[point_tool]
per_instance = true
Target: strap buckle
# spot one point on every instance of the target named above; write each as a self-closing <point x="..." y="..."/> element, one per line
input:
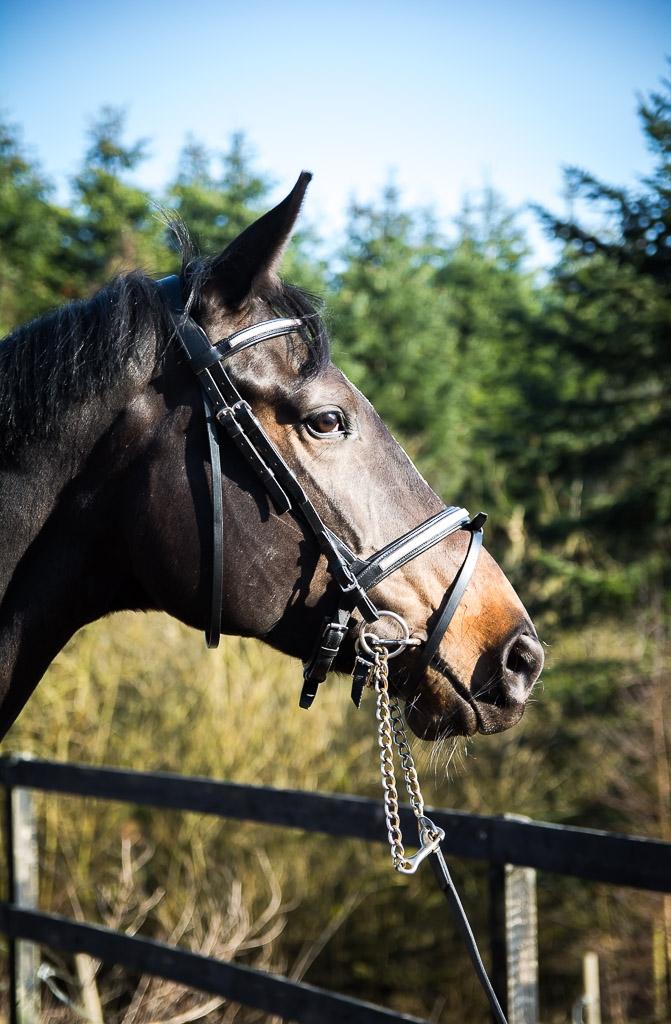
<point x="319" y="665"/>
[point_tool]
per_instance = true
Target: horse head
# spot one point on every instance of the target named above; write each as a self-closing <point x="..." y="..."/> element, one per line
<point x="109" y="495"/>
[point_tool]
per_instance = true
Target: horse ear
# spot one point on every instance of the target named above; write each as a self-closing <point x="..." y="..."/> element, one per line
<point x="250" y="260"/>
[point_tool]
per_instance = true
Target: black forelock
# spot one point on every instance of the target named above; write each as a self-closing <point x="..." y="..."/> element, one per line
<point x="289" y="300"/>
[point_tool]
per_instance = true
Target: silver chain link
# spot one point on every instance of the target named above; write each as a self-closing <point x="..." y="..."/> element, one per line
<point x="391" y="732"/>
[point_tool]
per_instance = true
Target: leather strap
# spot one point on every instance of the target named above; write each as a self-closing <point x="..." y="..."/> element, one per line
<point x="317" y="668"/>
<point x="404" y="549"/>
<point x="448" y="888"/>
<point x="370" y="572"/>
<point x="453" y="595"/>
<point x="214" y="629"/>
<point x="262" y="331"/>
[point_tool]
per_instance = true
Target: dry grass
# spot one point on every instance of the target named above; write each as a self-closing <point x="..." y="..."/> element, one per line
<point x="142" y="692"/>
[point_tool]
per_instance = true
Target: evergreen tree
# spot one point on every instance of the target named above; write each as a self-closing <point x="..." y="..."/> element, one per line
<point x="607" y="436"/>
<point x="390" y="325"/>
<point x="31" y="273"/>
<point x="115" y="224"/>
<point x="491" y="308"/>
<point x="436" y="334"/>
<point x="218" y="206"/>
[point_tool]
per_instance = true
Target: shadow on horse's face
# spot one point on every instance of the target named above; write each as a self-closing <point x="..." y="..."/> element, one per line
<point x="277" y="583"/>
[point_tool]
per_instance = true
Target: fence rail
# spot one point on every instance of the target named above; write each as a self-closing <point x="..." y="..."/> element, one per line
<point x="273" y="994"/>
<point x="583" y="853"/>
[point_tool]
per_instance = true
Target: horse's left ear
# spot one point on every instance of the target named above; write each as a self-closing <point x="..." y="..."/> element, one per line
<point x="250" y="260"/>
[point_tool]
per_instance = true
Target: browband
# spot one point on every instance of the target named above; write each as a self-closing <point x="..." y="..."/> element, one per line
<point x="249" y="336"/>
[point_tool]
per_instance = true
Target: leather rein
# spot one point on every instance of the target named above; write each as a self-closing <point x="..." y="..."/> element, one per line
<point x="355" y="577"/>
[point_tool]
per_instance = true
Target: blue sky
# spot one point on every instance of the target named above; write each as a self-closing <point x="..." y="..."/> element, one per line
<point x="445" y="96"/>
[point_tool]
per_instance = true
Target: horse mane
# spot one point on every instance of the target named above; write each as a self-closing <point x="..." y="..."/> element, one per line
<point x="82" y="349"/>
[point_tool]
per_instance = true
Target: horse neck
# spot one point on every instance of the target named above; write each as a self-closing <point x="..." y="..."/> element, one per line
<point x="55" y="571"/>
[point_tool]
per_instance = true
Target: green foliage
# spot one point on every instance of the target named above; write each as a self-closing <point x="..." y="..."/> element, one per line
<point x="115" y="226"/>
<point x="389" y="322"/>
<point x="31" y="278"/>
<point x="216" y="207"/>
<point x="608" y="314"/>
<point x="545" y="402"/>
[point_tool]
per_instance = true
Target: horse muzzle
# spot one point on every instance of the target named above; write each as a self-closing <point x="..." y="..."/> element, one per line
<point x="447" y="706"/>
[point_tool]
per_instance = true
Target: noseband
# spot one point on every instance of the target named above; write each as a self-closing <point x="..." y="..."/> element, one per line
<point x="354" y="576"/>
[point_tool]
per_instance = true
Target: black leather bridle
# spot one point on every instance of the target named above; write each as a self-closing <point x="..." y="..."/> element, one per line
<point x="354" y="576"/>
<point x="225" y="407"/>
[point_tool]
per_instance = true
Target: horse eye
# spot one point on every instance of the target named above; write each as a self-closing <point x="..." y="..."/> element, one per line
<point x="328" y="421"/>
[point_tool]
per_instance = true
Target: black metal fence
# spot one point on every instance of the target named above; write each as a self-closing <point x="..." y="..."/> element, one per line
<point x="582" y="853"/>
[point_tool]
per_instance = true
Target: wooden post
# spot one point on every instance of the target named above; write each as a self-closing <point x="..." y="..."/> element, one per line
<point x="9" y="861"/>
<point x="513" y="922"/>
<point x="592" y="998"/>
<point x="22" y="867"/>
<point x="521" y="945"/>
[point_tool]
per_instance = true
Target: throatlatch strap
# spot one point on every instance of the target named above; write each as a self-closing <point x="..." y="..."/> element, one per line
<point x="214" y="629"/>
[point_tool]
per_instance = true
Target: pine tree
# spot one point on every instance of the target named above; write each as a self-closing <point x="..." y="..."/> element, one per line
<point x="607" y="439"/>
<point x="31" y="273"/>
<point x="218" y="206"/>
<point x="492" y="303"/>
<point x="390" y="325"/>
<point x="115" y="225"/>
<point x="437" y="334"/>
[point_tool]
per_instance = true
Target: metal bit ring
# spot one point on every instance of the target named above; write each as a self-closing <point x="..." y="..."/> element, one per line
<point x="366" y="638"/>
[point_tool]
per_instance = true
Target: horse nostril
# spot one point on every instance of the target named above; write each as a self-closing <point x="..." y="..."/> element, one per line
<point x="522" y="664"/>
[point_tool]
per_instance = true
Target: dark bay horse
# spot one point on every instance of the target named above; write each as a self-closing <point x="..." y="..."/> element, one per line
<point x="106" y="492"/>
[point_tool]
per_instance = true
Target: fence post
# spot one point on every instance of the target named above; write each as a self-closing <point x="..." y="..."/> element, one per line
<point x="592" y="997"/>
<point x="514" y="939"/>
<point x="522" y="945"/>
<point x="22" y="877"/>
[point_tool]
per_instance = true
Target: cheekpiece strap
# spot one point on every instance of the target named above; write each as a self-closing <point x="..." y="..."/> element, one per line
<point x="234" y="415"/>
<point x="197" y="346"/>
<point x="214" y="629"/>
